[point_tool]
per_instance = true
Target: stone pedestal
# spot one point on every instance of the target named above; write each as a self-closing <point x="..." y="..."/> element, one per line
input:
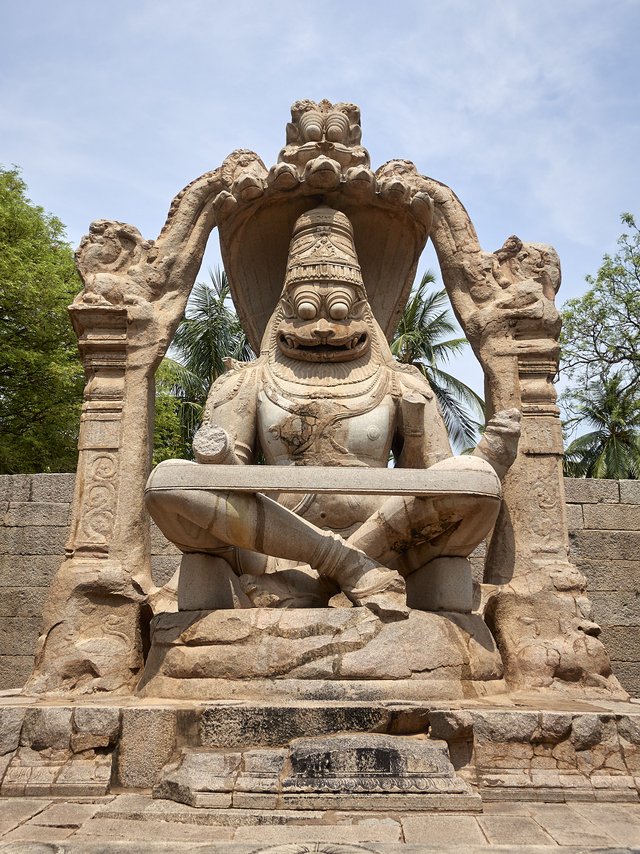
<point x="346" y="771"/>
<point x="320" y="653"/>
<point x="385" y="754"/>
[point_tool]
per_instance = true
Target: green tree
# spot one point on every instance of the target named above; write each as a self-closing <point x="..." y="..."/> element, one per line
<point x="420" y="340"/>
<point x="41" y="378"/>
<point x="601" y="329"/>
<point x="209" y="334"/>
<point x="601" y="361"/>
<point x="612" y="448"/>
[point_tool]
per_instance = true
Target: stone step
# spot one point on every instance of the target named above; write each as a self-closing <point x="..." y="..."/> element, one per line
<point x="364" y="771"/>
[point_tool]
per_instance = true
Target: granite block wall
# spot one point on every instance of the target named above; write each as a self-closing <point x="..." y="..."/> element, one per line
<point x="604" y="529"/>
<point x="34" y="525"/>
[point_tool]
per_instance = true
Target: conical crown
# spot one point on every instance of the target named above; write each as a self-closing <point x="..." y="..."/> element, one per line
<point x="322" y="250"/>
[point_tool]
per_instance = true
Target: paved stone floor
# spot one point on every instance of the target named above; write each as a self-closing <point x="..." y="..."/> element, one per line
<point x="136" y="823"/>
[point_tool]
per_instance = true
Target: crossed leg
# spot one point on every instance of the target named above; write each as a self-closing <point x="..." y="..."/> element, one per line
<point x="208" y="521"/>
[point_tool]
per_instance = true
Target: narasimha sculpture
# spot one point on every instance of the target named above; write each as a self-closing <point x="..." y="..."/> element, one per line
<point x="326" y="391"/>
<point x="306" y="571"/>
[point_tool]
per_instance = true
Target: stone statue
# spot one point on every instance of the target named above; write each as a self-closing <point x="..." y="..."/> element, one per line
<point x="321" y="252"/>
<point x="326" y="391"/>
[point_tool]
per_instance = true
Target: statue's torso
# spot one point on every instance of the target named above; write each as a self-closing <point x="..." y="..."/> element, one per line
<point x="323" y="430"/>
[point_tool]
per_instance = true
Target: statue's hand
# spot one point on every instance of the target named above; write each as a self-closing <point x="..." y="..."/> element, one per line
<point x="499" y="443"/>
<point x="212" y="444"/>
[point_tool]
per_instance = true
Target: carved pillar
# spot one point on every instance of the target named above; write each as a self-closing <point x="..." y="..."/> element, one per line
<point x="531" y="530"/>
<point x="134" y="297"/>
<point x="102" y="341"/>
<point x="92" y="633"/>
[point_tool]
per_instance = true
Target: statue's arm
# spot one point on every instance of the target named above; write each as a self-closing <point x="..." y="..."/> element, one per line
<point x="424" y="436"/>
<point x="228" y="430"/>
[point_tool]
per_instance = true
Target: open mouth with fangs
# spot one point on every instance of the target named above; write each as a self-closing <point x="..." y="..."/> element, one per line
<point x="326" y="350"/>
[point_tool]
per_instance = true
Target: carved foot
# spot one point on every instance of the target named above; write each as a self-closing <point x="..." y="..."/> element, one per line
<point x="380" y="589"/>
<point x="288" y="588"/>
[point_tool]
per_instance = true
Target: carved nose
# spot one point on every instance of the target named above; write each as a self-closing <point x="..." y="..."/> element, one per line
<point x="323" y="330"/>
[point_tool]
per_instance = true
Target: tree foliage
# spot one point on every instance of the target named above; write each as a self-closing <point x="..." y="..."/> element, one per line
<point x="420" y="341"/>
<point x="41" y="378"/>
<point x="209" y="334"/>
<point x="601" y="329"/>
<point x="601" y="359"/>
<point x="612" y="448"/>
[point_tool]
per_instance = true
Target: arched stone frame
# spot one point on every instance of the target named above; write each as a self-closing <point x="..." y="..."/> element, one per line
<point x="134" y="298"/>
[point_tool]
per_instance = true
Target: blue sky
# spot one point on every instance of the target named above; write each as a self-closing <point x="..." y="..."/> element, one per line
<point x="528" y="110"/>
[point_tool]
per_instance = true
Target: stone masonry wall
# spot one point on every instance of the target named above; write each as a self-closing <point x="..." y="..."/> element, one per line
<point x="604" y="531"/>
<point x="604" y="527"/>
<point x="34" y="525"/>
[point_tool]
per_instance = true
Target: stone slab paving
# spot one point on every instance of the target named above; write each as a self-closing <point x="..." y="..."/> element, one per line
<point x="137" y="823"/>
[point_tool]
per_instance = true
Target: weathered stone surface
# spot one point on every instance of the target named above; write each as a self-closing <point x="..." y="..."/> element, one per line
<point x="513" y="830"/>
<point x="55" y="488"/>
<point x="10" y="727"/>
<point x="321" y="644"/>
<point x="66" y="814"/>
<point x="611" y="575"/>
<point x="15" y="669"/>
<point x="553" y="726"/>
<point x="604" y="545"/>
<point x="623" y="642"/>
<point x="243" y="726"/>
<point x="504" y="726"/>
<point x="31" y="513"/>
<point x="630" y="491"/>
<point x="575" y="517"/>
<point x="94" y="727"/>
<point x="163" y="567"/>
<point x="262" y="770"/>
<point x="628" y="672"/>
<point x="371" y="763"/>
<point x="441" y="831"/>
<point x="146" y="744"/>
<point x="450" y="724"/>
<point x="33" y="541"/>
<point x="27" y="570"/>
<point x="617" y="608"/>
<point x="616" y="517"/>
<point x="196" y="773"/>
<point x="15" y="487"/>
<point x="591" y="491"/>
<point x="47" y="728"/>
<point x="88" y="777"/>
<point x="18" y="635"/>
<point x="586" y="731"/>
<point x="22" y="601"/>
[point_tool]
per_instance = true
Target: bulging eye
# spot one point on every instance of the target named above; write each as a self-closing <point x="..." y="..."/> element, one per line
<point x="339" y="310"/>
<point x="337" y="127"/>
<point x="307" y="310"/>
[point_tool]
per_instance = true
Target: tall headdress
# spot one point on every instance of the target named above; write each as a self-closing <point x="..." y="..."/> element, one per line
<point x="322" y="250"/>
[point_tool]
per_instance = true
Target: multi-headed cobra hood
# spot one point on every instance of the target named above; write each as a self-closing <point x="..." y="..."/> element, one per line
<point x="323" y="163"/>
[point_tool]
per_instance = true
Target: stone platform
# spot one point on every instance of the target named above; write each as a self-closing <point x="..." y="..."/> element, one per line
<point x="505" y="748"/>
<point x="316" y="654"/>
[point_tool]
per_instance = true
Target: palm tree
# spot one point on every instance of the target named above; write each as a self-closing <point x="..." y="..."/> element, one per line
<point x="419" y="340"/>
<point x="612" y="449"/>
<point x="209" y="334"/>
